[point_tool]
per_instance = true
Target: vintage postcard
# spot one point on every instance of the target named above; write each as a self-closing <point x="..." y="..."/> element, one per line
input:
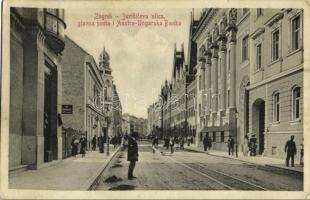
<point x="154" y="100"/>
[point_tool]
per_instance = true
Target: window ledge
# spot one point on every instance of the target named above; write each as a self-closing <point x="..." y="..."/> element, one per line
<point x="275" y="61"/>
<point x="295" y="122"/>
<point x="258" y="70"/>
<point x="275" y="123"/>
<point x="245" y="63"/>
<point x="294" y="52"/>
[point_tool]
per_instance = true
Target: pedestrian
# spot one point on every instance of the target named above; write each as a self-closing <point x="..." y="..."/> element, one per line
<point x="154" y="143"/>
<point x="253" y="145"/>
<point x="171" y="144"/>
<point x="231" y="143"/>
<point x="74" y="146"/>
<point x="290" y="149"/>
<point x="166" y="143"/>
<point x="209" y="141"/>
<point x="246" y="145"/>
<point x="94" y="142"/>
<point x="132" y="154"/>
<point x="188" y="140"/>
<point x="205" y="143"/>
<point x="83" y="142"/>
<point x="301" y="154"/>
<point x="101" y="144"/>
<point x="182" y="143"/>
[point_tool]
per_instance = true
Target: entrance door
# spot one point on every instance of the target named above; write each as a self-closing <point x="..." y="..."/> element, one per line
<point x="258" y="123"/>
<point x="50" y="113"/>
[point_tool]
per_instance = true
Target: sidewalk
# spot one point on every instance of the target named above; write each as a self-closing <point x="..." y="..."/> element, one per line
<point x="258" y="160"/>
<point x="69" y="174"/>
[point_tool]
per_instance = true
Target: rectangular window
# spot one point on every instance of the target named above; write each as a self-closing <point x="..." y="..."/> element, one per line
<point x="276" y="107"/>
<point x="199" y="109"/>
<point x="228" y="61"/>
<point x="296" y="33"/>
<point x="214" y="136"/>
<point x="222" y="136"/>
<point x="245" y="49"/>
<point x="275" y="45"/>
<point x="259" y="12"/>
<point x="258" y="56"/>
<point x="228" y="98"/>
<point x="296" y="103"/>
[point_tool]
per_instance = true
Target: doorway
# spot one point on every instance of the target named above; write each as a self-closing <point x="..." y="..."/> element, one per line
<point x="258" y="123"/>
<point x="50" y="113"/>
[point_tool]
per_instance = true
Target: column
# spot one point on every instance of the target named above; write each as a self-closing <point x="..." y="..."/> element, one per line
<point x="222" y="56"/>
<point x="202" y="61"/>
<point x="214" y="79"/>
<point x="208" y="81"/>
<point x="33" y="101"/>
<point x="232" y="47"/>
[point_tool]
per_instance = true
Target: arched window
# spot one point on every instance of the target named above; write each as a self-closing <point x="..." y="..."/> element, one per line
<point x="276" y="107"/>
<point x="296" y="103"/>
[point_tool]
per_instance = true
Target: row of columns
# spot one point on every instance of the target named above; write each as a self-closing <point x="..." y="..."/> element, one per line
<point x="211" y="77"/>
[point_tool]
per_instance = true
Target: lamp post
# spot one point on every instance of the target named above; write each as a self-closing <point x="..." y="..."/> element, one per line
<point x="236" y="123"/>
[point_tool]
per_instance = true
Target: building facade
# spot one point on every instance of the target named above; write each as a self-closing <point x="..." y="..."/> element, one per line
<point x="117" y="114"/>
<point x="250" y="74"/>
<point x="36" y="42"/>
<point x="83" y="93"/>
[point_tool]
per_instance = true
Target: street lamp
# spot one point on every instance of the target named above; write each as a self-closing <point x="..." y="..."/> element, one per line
<point x="236" y="123"/>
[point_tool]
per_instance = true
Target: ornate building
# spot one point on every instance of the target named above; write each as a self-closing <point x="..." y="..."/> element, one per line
<point x="249" y="76"/>
<point x="36" y="42"/>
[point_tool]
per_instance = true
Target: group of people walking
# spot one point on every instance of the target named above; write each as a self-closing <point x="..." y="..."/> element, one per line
<point x="75" y="143"/>
<point x="178" y="141"/>
<point x="95" y="142"/>
<point x="100" y="141"/>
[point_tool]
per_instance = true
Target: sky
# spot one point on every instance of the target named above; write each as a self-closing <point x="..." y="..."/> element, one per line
<point x="140" y="57"/>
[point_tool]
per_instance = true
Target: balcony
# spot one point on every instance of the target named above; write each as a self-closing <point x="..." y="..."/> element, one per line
<point x="54" y="28"/>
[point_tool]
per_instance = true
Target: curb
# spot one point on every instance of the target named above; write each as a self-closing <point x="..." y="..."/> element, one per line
<point x="93" y="181"/>
<point x="233" y="158"/>
<point x="285" y="169"/>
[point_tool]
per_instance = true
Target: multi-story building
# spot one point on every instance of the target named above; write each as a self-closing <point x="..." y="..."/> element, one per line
<point x="133" y="124"/>
<point x="154" y="119"/>
<point x="179" y="98"/>
<point x="36" y="42"/>
<point x="82" y="95"/>
<point x="117" y="113"/>
<point x="250" y="77"/>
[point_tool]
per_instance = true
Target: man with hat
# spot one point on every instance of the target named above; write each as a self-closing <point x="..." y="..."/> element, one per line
<point x="290" y="149"/>
<point x="132" y="154"/>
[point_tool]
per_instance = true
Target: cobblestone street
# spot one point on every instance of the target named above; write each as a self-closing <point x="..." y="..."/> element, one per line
<point x="185" y="170"/>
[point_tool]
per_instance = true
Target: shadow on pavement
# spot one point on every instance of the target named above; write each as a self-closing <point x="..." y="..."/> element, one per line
<point x="123" y="187"/>
<point x="117" y="165"/>
<point x="112" y="179"/>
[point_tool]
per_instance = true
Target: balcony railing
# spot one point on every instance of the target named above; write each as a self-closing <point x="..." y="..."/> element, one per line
<point x="54" y="29"/>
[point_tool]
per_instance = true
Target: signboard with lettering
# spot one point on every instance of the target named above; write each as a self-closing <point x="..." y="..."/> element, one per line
<point x="67" y="109"/>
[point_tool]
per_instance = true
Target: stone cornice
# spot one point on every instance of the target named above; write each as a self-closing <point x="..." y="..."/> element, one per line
<point x="205" y="21"/>
<point x="257" y="32"/>
<point x="274" y="19"/>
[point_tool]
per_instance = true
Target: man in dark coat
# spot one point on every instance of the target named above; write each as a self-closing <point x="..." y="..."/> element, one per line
<point x="83" y="142"/>
<point x="94" y="143"/>
<point x="290" y="149"/>
<point x="132" y="155"/>
<point x="205" y="143"/>
<point x="231" y="144"/>
<point x="171" y="144"/>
